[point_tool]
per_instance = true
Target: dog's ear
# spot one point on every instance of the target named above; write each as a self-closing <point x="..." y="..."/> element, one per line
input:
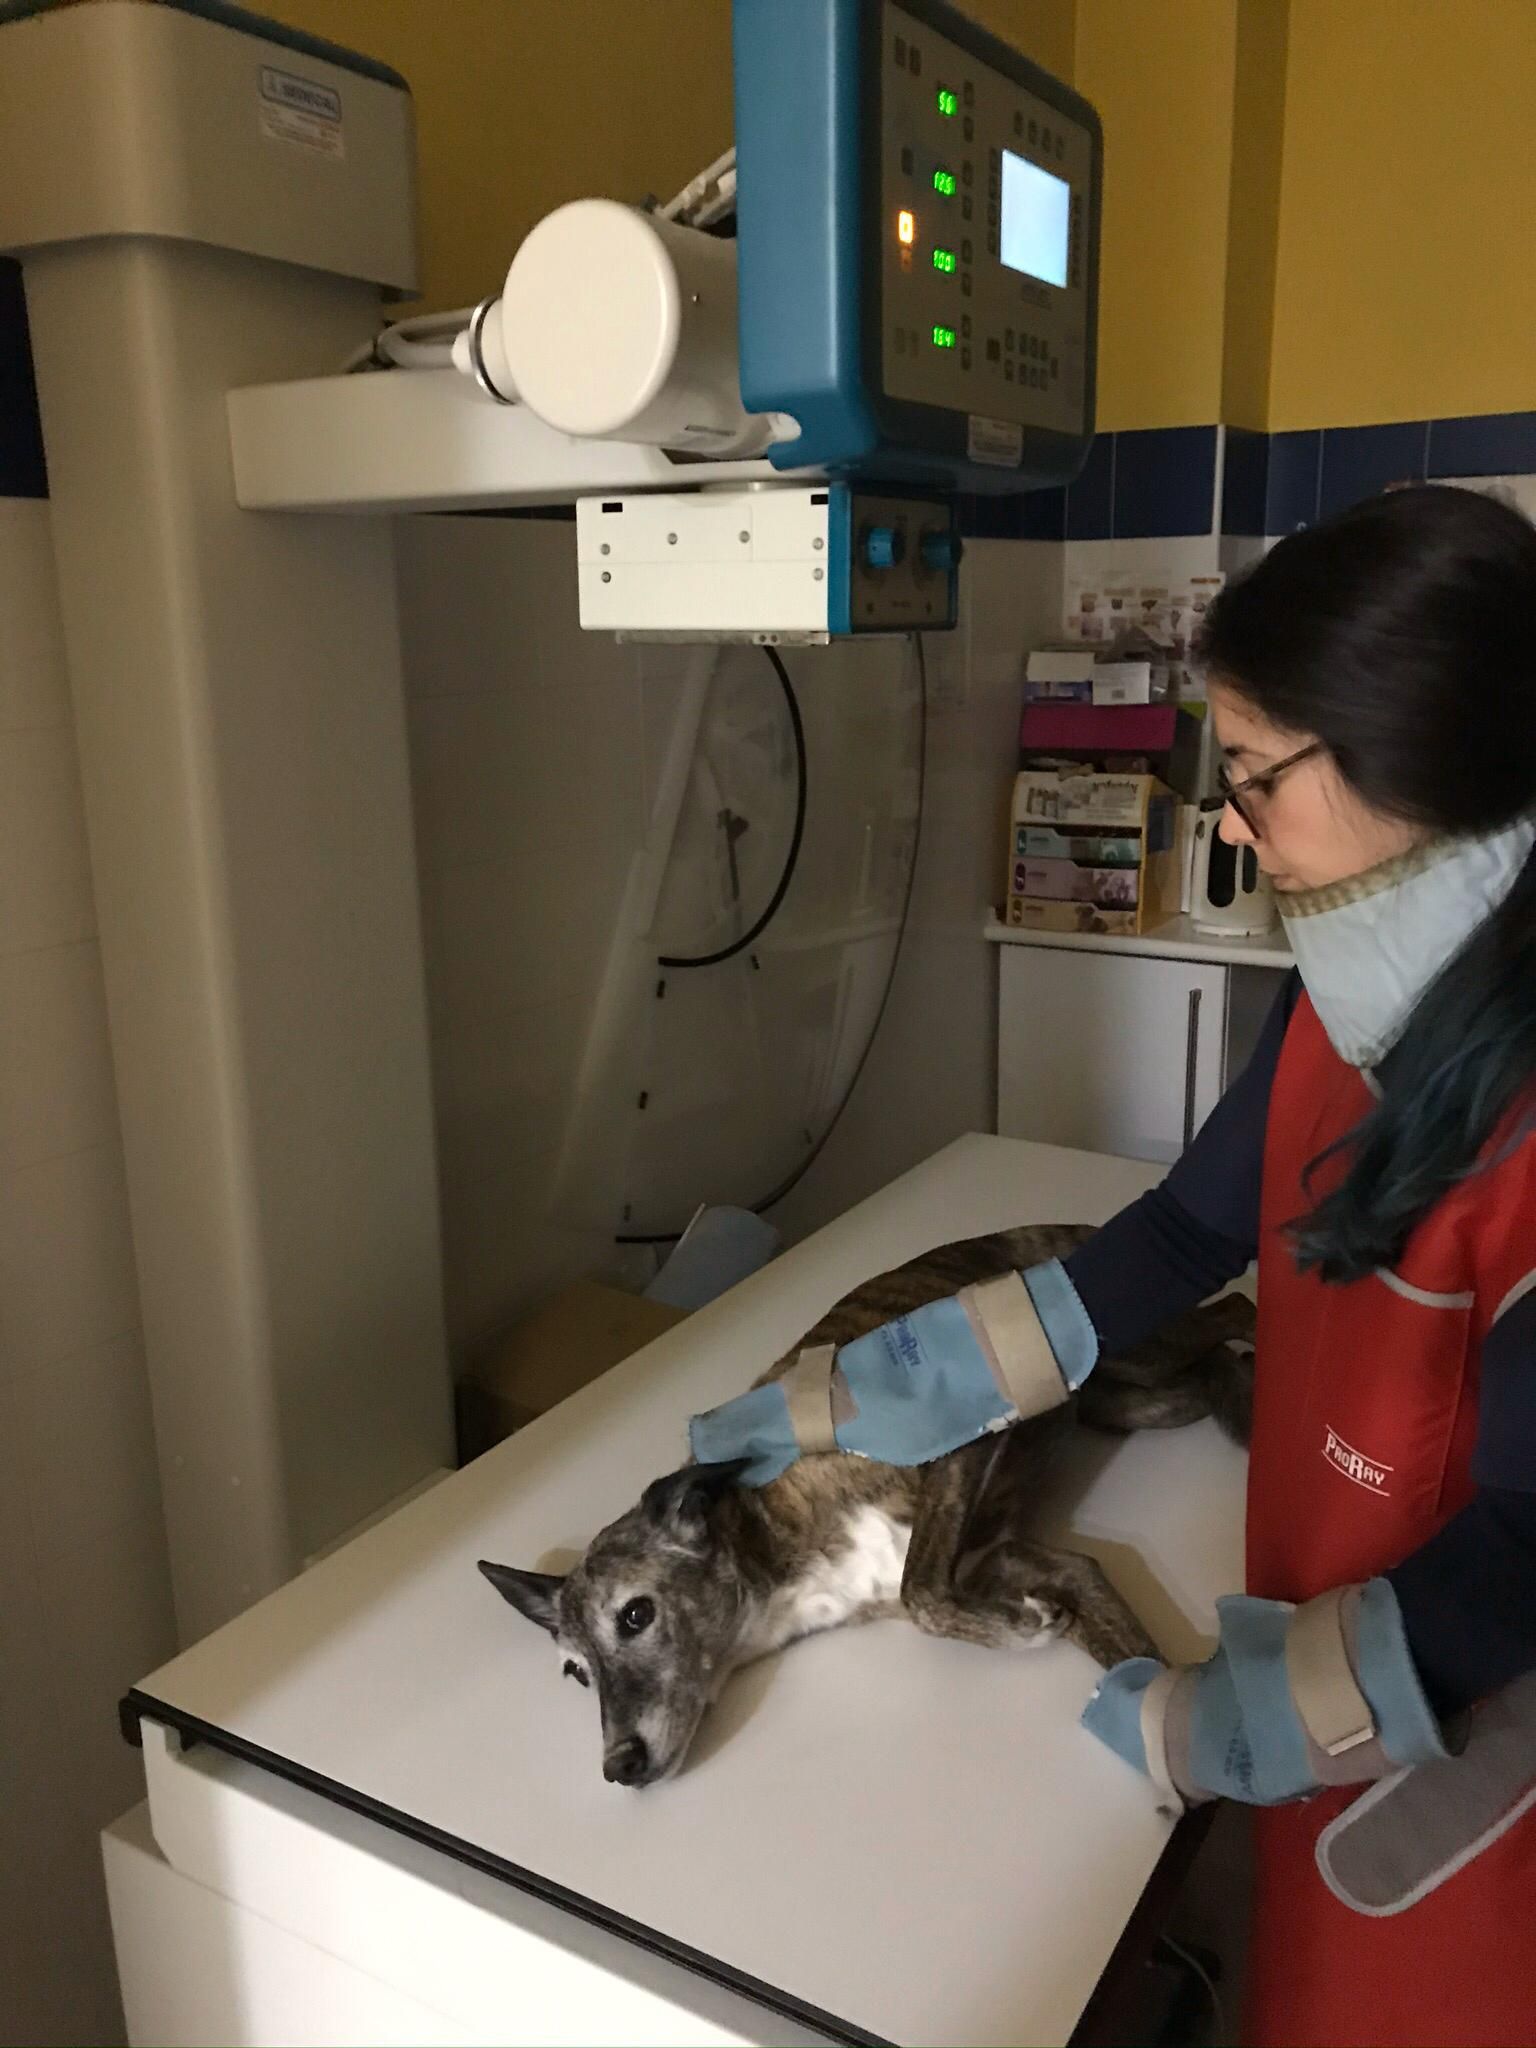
<point x="536" y="1594"/>
<point x="684" y="1498"/>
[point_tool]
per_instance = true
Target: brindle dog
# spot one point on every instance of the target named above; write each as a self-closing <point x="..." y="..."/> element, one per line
<point x="704" y="1575"/>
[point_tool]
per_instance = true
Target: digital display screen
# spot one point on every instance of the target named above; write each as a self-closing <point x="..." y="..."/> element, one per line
<point x="1037" y="208"/>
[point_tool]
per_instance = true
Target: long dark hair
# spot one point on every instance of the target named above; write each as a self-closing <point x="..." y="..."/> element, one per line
<point x="1402" y="634"/>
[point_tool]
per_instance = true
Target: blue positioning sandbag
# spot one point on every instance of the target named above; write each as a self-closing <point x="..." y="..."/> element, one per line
<point x="719" y="1247"/>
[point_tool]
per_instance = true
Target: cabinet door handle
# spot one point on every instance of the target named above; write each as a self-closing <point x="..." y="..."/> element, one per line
<point x="1191" y="1060"/>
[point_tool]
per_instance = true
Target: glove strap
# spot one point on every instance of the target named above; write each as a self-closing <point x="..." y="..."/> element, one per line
<point x="1154" y="1737"/>
<point x="1333" y="1709"/>
<point x="807" y="1391"/>
<point x="1007" y="1327"/>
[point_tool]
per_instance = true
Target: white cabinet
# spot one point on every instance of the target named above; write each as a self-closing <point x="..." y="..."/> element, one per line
<point x="1120" y="1052"/>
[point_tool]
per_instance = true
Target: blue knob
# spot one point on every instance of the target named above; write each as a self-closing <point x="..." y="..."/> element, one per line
<point x="941" y="550"/>
<point x="882" y="547"/>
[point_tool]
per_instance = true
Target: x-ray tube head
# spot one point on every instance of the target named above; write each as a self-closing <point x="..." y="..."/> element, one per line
<point x="618" y="325"/>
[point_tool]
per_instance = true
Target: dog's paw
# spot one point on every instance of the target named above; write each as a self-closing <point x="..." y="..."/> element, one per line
<point x="1039" y="1622"/>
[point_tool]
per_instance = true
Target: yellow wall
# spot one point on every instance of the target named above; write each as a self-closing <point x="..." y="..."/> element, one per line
<point x="1317" y="212"/>
<point x="1253" y="218"/>
<point x="1042" y="29"/>
<point x="1406" y="285"/>
<point x="523" y="104"/>
<point x="1160" y="73"/>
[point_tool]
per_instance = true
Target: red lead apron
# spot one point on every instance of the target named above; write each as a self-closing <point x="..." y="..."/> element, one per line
<point x="1364" y="1416"/>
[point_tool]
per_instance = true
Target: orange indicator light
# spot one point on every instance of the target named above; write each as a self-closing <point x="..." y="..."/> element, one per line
<point x="906" y="228"/>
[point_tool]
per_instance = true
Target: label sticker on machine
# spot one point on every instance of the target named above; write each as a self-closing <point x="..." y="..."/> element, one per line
<point x="1000" y="442"/>
<point x="299" y="111"/>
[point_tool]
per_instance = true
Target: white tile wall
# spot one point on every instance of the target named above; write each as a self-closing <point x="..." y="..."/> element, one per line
<point x="932" y="1073"/>
<point x="84" y="1594"/>
<point x="528" y="751"/>
<point x="537" y="752"/>
<point x="1239" y="551"/>
<point x="1153" y="561"/>
<point x="1519" y="491"/>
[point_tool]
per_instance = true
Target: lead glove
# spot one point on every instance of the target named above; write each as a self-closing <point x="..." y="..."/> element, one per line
<point x="918" y="1387"/>
<point x="1294" y="1699"/>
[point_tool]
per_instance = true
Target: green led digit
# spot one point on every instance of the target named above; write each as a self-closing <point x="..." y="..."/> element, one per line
<point x="948" y="104"/>
<point x="944" y="181"/>
<point x="944" y="259"/>
<point x="943" y="337"/>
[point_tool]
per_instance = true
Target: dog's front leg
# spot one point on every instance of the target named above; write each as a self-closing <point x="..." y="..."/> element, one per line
<point x="995" y="1616"/>
<point x="1094" y="1615"/>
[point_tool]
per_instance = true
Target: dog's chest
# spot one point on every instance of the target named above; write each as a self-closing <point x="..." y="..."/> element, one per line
<point x="838" y="1585"/>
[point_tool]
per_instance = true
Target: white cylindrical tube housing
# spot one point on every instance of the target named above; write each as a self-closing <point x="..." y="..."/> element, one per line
<point x="618" y="325"/>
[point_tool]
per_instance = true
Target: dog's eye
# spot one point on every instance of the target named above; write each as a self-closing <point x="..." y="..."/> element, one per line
<point x="636" y="1615"/>
<point x="574" y="1670"/>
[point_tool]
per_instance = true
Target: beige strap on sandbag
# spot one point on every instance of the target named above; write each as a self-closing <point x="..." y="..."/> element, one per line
<point x="1007" y="1327"/>
<point x="1334" y="1711"/>
<point x="807" y="1390"/>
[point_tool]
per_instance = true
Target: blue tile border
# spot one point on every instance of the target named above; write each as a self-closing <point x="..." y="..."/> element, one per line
<point x="1359" y="461"/>
<point x="1043" y="515"/>
<point x="1294" y="480"/>
<point x="1091" y="494"/>
<point x="1244" y="479"/>
<point x="1038" y="515"/>
<point x="1165" y="483"/>
<point x="1271" y="481"/>
<point x="1134" y="485"/>
<point x="23" y="472"/>
<point x="1485" y="444"/>
<point x="1143" y="484"/>
<point x="1159" y="483"/>
<point x="1275" y="483"/>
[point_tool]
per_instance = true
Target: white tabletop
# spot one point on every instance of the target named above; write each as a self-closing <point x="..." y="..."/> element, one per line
<point x="913" y="1837"/>
<point x="1176" y="938"/>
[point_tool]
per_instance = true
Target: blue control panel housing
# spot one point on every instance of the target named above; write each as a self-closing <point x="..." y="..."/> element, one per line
<point x="893" y="560"/>
<point x="918" y="224"/>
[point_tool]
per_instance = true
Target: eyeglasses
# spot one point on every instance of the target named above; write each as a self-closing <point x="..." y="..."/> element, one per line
<point x="1241" y="795"/>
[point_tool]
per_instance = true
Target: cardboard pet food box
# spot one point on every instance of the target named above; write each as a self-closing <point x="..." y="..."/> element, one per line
<point x="1055" y="675"/>
<point x="1100" y="850"/>
<point x="1060" y="675"/>
<point x="1059" y="879"/>
<point x="1071" y="881"/>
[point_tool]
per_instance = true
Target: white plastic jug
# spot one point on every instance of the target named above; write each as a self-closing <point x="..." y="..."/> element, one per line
<point x="1229" y="892"/>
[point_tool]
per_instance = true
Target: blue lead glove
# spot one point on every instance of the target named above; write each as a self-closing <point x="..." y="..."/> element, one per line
<point x="1295" y="1698"/>
<point x="919" y="1387"/>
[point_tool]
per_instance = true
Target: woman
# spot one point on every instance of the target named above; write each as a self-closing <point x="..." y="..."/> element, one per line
<point x="1373" y="686"/>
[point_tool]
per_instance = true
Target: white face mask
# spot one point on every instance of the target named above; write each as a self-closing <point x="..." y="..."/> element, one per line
<point x="1369" y="947"/>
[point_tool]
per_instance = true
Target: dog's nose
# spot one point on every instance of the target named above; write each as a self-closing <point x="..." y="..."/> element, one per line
<point x="627" y="1762"/>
